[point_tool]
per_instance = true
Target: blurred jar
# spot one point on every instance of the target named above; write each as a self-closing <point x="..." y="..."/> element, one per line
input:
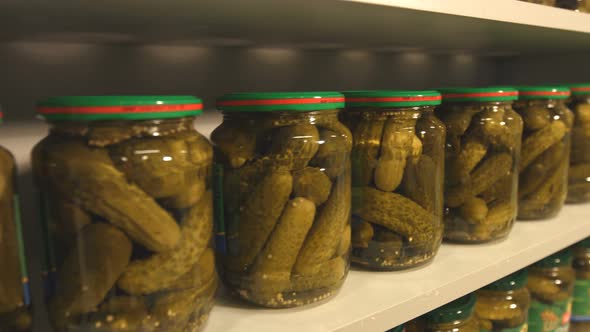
<point x="542" y="2"/>
<point x="125" y="186"/>
<point x="503" y="305"/>
<point x="482" y="150"/>
<point x="284" y="193"/>
<point x="456" y="316"/>
<point x="577" y="5"/>
<point x="579" y="172"/>
<point x="581" y="305"/>
<point x="397" y="177"/>
<point x="551" y="283"/>
<point x="546" y="142"/>
<point x="15" y="311"/>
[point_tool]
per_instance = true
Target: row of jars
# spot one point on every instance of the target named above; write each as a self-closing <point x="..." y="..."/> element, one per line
<point x="577" y="5"/>
<point x="292" y="188"/>
<point x="552" y="295"/>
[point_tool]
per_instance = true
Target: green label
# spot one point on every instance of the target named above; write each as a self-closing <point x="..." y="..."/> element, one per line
<point x="521" y="328"/>
<point x="581" y="306"/>
<point x="553" y="317"/>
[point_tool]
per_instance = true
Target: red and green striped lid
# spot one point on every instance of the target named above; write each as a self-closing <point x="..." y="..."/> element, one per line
<point x="543" y="92"/>
<point x="1" y="117"/>
<point x="391" y="98"/>
<point x="280" y="101"/>
<point x="93" y="108"/>
<point x="489" y="94"/>
<point x="580" y="88"/>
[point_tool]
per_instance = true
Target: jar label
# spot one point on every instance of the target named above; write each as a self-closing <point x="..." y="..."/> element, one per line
<point x="522" y="328"/>
<point x="581" y="306"/>
<point x="219" y="212"/>
<point x="554" y="317"/>
<point x="21" y="251"/>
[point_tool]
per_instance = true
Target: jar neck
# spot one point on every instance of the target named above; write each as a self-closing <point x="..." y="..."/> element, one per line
<point x="386" y="112"/>
<point x="139" y="128"/>
<point x="547" y="103"/>
<point x="581" y="99"/>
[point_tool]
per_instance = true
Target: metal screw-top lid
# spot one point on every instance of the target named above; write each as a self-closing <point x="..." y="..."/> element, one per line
<point x="93" y="108"/>
<point x="489" y="94"/>
<point x="391" y="98"/>
<point x="543" y="92"/>
<point x="460" y="309"/>
<point x="514" y="281"/>
<point x="280" y="101"/>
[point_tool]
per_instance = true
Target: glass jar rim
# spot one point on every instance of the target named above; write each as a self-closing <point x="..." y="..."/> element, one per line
<point x="97" y="108"/>
<point x="543" y="92"/>
<point x="459" y="309"/>
<point x="513" y="281"/>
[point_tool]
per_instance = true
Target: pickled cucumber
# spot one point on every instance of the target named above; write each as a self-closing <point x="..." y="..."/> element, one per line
<point x="313" y="184"/>
<point x="90" y="178"/>
<point x="161" y="270"/>
<point x="333" y="154"/>
<point x="301" y="141"/>
<point x="326" y="232"/>
<point x="90" y="271"/>
<point x="539" y="141"/>
<point x="366" y="146"/>
<point x="236" y="141"/>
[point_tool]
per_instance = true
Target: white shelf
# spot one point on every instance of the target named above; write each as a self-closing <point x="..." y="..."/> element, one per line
<point x="496" y="27"/>
<point x="377" y="301"/>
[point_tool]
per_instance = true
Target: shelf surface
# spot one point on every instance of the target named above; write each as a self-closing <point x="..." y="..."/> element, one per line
<point x="499" y="27"/>
<point x="377" y="301"/>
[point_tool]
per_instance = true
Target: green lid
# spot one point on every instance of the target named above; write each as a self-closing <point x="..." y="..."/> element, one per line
<point x="386" y="98"/>
<point x="280" y="101"/>
<point x="560" y="258"/>
<point x="516" y="280"/>
<point x="91" y="108"/>
<point x="459" y="309"/>
<point x="396" y="329"/>
<point x="580" y="88"/>
<point x="543" y="92"/>
<point x="478" y="94"/>
<point x="584" y="243"/>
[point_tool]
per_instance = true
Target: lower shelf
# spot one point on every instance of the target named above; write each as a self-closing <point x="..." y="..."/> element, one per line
<point x="377" y="301"/>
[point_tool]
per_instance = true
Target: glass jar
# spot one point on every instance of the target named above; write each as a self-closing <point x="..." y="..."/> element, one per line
<point x="581" y="306"/>
<point x="482" y="152"/>
<point x="15" y="314"/>
<point x="397" y="329"/>
<point x="577" y="5"/>
<point x="542" y="2"/>
<point x="579" y="172"/>
<point x="125" y="185"/>
<point x="456" y="316"/>
<point x="283" y="177"/>
<point x="503" y="305"/>
<point x="546" y="143"/>
<point x="397" y="177"/>
<point x="551" y="283"/>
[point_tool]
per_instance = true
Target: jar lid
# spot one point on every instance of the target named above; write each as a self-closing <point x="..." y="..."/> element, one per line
<point x="390" y="98"/>
<point x="1" y="117"/>
<point x="560" y="258"/>
<point x="459" y="309"/>
<point x="92" y="108"/>
<point x="516" y="280"/>
<point x="580" y="89"/>
<point x="478" y="94"/>
<point x="280" y="101"/>
<point x="543" y="92"/>
<point x="582" y="244"/>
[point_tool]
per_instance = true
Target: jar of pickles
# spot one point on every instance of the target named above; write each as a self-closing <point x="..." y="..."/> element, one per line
<point x="577" y="5"/>
<point x="456" y="316"/>
<point x="15" y="315"/>
<point x="542" y="2"/>
<point x="581" y="306"/>
<point x="482" y="150"/>
<point x="579" y="172"/>
<point x="283" y="178"/>
<point x="545" y="150"/>
<point x="503" y="305"/>
<point x="397" y="177"/>
<point x="128" y="206"/>
<point x="551" y="284"/>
